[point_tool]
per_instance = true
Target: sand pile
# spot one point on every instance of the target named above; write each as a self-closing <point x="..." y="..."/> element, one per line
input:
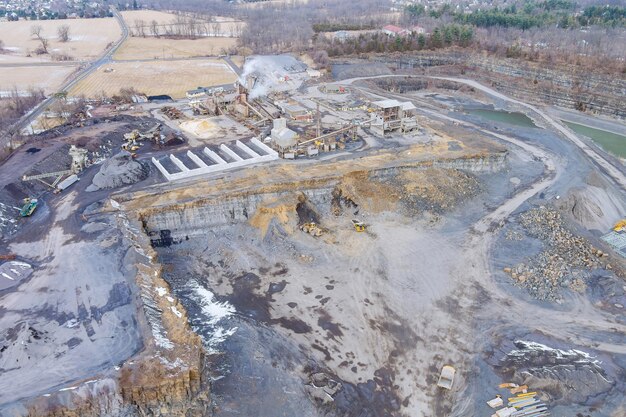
<point x="282" y="213"/>
<point x="120" y="170"/>
<point x="202" y="128"/>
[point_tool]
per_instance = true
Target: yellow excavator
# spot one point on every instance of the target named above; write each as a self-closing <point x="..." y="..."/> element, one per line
<point x="358" y="226"/>
<point x="620" y="226"/>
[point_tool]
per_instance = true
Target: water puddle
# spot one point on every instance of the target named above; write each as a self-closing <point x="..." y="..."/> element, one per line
<point x="609" y="141"/>
<point x="512" y="118"/>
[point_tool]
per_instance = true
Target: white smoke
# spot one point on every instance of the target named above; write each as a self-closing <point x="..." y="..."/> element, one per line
<point x="267" y="72"/>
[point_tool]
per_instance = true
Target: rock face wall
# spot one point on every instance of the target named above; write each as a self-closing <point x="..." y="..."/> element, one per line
<point x="168" y="225"/>
<point x="565" y="86"/>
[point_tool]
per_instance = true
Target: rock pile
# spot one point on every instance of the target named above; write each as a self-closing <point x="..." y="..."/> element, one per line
<point x="565" y="375"/>
<point x="566" y="261"/>
<point x="121" y="169"/>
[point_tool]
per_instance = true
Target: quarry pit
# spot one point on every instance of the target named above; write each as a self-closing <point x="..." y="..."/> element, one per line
<point x="481" y="249"/>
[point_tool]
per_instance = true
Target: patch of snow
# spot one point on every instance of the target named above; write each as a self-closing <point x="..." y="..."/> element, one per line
<point x="67" y="389"/>
<point x="161" y="340"/>
<point x="211" y="308"/>
<point x="172" y="365"/>
<point x="161" y="291"/>
<point x="213" y="311"/>
<point x="176" y="312"/>
<point x="71" y="323"/>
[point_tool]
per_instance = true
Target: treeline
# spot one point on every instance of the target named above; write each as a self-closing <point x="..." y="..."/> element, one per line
<point x="334" y="27"/>
<point x="531" y="14"/>
<point x="603" y="16"/>
<point x="288" y="26"/>
<point x="441" y="37"/>
<point x="506" y="18"/>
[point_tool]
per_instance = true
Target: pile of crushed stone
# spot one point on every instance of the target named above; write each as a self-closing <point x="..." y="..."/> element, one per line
<point x="121" y="169"/>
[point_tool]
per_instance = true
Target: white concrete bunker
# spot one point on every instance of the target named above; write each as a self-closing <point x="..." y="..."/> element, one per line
<point x="220" y="164"/>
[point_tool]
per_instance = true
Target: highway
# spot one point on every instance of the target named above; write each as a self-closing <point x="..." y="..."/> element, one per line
<point x="93" y="66"/>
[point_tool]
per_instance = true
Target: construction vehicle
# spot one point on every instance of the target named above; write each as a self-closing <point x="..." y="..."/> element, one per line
<point x="131" y="136"/>
<point x="620" y="226"/>
<point x="30" y="204"/>
<point x="131" y="147"/>
<point x="446" y="379"/>
<point x="312" y="229"/>
<point x="358" y="226"/>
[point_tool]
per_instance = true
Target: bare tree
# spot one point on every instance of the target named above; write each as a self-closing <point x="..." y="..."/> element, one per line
<point x="140" y="28"/>
<point x="1" y="46"/>
<point x="36" y="31"/>
<point x="63" y="32"/>
<point x="217" y="29"/>
<point x="154" y="28"/>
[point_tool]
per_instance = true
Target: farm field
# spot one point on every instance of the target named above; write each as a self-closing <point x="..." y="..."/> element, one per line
<point x="155" y="77"/>
<point x="153" y="48"/>
<point x="48" y="78"/>
<point x="88" y="38"/>
<point x="226" y="26"/>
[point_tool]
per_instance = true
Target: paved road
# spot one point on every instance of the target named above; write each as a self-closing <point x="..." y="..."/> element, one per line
<point x="104" y="59"/>
<point x="234" y="66"/>
<point x="41" y="64"/>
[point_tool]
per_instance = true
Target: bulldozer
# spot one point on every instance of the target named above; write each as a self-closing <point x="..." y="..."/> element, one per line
<point x="620" y="226"/>
<point x="358" y="225"/>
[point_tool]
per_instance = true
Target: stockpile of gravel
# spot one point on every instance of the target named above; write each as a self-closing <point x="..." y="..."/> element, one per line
<point x="121" y="169"/>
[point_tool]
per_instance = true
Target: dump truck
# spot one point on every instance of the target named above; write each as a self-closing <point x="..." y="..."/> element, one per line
<point x="446" y="379"/>
<point x="620" y="226"/>
<point x="358" y="226"/>
<point x="30" y="204"/>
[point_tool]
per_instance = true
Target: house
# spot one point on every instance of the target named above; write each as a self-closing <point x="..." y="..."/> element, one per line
<point x="199" y="92"/>
<point x="418" y="29"/>
<point x="392" y="30"/>
<point x="313" y="73"/>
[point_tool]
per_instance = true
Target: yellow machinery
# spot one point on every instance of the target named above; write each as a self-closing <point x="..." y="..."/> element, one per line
<point x="620" y="226"/>
<point x="312" y="229"/>
<point x="358" y="226"/>
<point x="130" y="148"/>
<point x="132" y="135"/>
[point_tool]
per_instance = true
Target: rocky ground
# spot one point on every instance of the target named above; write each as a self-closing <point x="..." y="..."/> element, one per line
<point x="566" y="260"/>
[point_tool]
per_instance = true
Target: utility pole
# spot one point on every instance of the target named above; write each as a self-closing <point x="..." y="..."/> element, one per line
<point x="319" y="121"/>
